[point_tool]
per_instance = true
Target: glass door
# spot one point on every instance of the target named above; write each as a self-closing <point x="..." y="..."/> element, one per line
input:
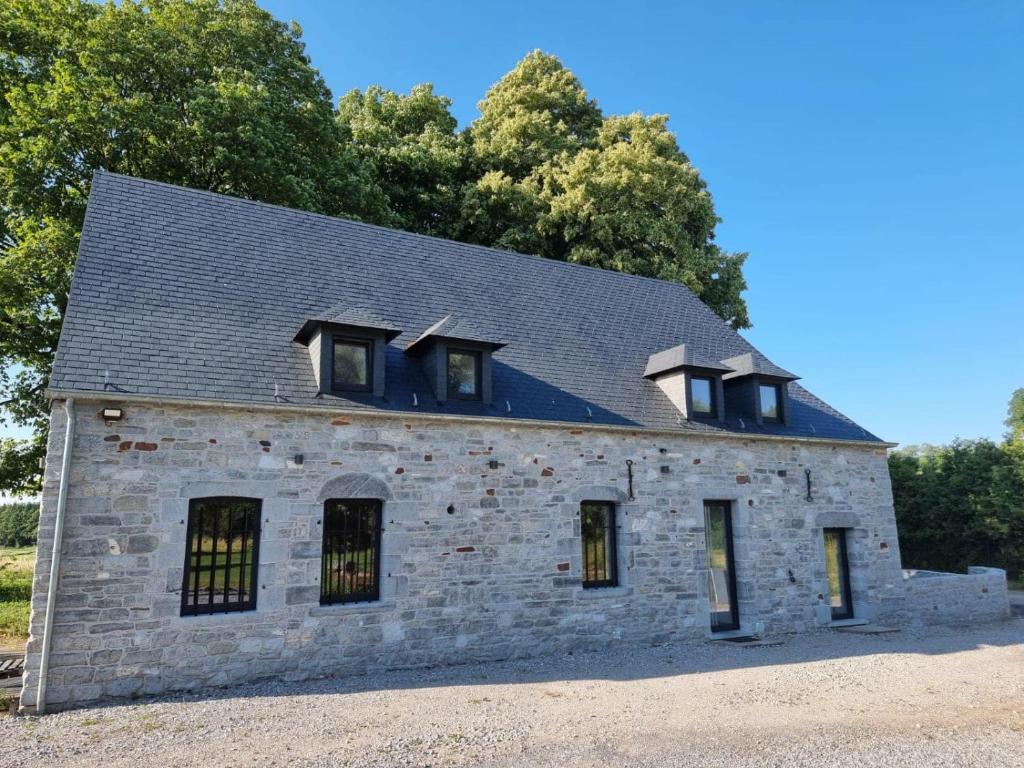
<point x="837" y="566"/>
<point x="725" y="613"/>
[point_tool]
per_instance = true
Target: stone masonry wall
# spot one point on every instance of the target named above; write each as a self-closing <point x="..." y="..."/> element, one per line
<point x="497" y="577"/>
<point x="957" y="598"/>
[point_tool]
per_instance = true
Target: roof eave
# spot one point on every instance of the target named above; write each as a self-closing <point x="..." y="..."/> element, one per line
<point x="56" y="393"/>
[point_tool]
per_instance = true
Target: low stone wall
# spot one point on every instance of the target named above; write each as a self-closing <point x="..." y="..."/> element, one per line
<point x="934" y="597"/>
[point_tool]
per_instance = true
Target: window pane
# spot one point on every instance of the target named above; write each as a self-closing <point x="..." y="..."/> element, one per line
<point x="597" y="533"/>
<point x="718" y="539"/>
<point x="838" y="571"/>
<point x="351" y="364"/>
<point x="700" y="395"/>
<point x="351" y="552"/>
<point x="220" y="562"/>
<point x="462" y="373"/>
<point x="769" y="401"/>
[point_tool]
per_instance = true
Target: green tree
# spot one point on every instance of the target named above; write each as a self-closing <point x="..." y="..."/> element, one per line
<point x="410" y="143"/>
<point x="1015" y="415"/>
<point x="207" y="94"/>
<point x="534" y="117"/>
<point x="961" y="504"/>
<point x="530" y="117"/>
<point x="19" y="524"/>
<point x="634" y="203"/>
<point x="557" y="178"/>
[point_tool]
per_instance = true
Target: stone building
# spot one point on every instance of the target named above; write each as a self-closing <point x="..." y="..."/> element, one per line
<point x="289" y="445"/>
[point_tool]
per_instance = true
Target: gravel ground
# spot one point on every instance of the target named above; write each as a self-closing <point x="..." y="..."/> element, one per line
<point x="948" y="697"/>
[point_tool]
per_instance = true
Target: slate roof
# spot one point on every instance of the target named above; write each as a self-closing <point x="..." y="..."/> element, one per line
<point x="186" y="294"/>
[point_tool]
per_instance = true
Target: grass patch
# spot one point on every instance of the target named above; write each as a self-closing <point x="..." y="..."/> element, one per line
<point x="16" y="566"/>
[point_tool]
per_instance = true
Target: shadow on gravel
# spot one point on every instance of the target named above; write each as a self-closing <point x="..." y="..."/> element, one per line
<point x="630" y="662"/>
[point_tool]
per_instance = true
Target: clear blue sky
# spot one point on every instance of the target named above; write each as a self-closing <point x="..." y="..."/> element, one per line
<point x="867" y="155"/>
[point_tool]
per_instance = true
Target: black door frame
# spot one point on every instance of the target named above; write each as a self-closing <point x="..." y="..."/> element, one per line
<point x="734" y="606"/>
<point x="846" y="611"/>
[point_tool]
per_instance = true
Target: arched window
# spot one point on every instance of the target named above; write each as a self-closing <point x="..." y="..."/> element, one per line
<point x="350" y="570"/>
<point x="221" y="555"/>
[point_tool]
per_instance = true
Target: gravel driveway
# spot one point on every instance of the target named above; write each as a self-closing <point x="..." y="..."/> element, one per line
<point x="942" y="698"/>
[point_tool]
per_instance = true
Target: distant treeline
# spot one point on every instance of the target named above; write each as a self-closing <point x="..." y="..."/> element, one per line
<point x="19" y="522"/>
<point x="963" y="504"/>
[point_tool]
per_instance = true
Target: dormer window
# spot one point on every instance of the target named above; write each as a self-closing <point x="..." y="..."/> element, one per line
<point x="464" y="369"/>
<point x="348" y="351"/>
<point x="456" y="357"/>
<point x="702" y="396"/>
<point x="770" y="402"/>
<point x="691" y="379"/>
<point x="757" y="389"/>
<point x="352" y="365"/>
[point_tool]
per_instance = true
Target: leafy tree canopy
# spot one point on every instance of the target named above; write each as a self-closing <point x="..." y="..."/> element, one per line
<point x="961" y="504"/>
<point x="535" y="113"/>
<point x="634" y="203"/>
<point x="558" y="178"/>
<point x="1015" y="415"/>
<point x="410" y="144"/>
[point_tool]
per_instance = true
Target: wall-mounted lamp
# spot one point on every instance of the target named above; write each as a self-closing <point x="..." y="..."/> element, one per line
<point x="299" y="458"/>
<point x="112" y="414"/>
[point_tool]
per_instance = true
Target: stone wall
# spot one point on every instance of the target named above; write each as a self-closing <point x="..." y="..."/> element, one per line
<point x="934" y="597"/>
<point x="497" y="577"/>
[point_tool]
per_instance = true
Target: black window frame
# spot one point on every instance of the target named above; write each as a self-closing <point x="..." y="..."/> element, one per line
<point x="778" y="402"/>
<point x="611" y="564"/>
<point x="845" y="611"/>
<point x="367" y="344"/>
<point x="252" y="529"/>
<point x="478" y="368"/>
<point x="328" y="595"/>
<point x="712" y="388"/>
<point x="727" y="507"/>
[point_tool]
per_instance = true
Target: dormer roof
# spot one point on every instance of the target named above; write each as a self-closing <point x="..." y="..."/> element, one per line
<point x="351" y="316"/>
<point x="679" y="357"/>
<point x="454" y="329"/>
<point x="755" y="364"/>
